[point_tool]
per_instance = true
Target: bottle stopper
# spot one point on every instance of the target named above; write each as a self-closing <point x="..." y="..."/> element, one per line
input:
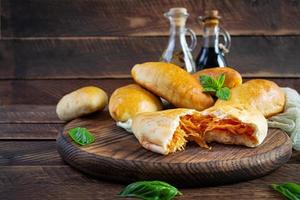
<point x="210" y="15"/>
<point x="175" y="11"/>
<point x="178" y="16"/>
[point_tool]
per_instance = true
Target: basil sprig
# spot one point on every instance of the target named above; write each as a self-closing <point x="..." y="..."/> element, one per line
<point x="215" y="86"/>
<point x="81" y="136"/>
<point x="150" y="190"/>
<point x="290" y="190"/>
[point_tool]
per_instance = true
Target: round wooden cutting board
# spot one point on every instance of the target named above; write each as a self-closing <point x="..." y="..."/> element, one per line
<point x="116" y="155"/>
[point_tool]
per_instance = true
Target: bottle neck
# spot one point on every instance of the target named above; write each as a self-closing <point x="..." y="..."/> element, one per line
<point x="211" y="37"/>
<point x="177" y="39"/>
<point x="177" y="26"/>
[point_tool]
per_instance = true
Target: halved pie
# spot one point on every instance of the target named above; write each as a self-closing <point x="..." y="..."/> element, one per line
<point x="169" y="131"/>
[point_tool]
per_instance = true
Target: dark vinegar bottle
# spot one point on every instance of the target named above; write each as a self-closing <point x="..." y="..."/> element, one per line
<point x="211" y="55"/>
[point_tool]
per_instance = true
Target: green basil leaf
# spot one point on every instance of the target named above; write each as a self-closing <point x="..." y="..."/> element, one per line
<point x="221" y="80"/>
<point x="150" y="190"/>
<point x="208" y="89"/>
<point x="290" y="190"/>
<point x="293" y="187"/>
<point x="223" y="93"/>
<point x="81" y="136"/>
<point x="208" y="81"/>
<point x="215" y="87"/>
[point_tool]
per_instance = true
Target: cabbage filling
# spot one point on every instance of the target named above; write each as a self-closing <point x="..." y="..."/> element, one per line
<point x="195" y="127"/>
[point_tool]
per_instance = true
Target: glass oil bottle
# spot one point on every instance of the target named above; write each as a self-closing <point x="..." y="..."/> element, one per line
<point x="177" y="50"/>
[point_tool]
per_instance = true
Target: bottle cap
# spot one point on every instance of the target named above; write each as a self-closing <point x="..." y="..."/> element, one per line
<point x="178" y="15"/>
<point x="174" y="11"/>
<point x="211" y="15"/>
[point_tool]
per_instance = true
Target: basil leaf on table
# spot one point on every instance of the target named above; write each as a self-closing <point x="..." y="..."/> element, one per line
<point x="150" y="190"/>
<point x="81" y="136"/>
<point x="290" y="190"/>
<point x="215" y="86"/>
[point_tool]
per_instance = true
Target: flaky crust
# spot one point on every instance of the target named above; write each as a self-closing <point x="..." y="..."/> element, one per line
<point x="173" y="84"/>
<point x="129" y="100"/>
<point x="155" y="130"/>
<point x="232" y="77"/>
<point x="264" y="95"/>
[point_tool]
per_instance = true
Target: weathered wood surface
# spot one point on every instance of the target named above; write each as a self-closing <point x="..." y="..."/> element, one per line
<point x="48" y="92"/>
<point x="114" y="57"/>
<point x="28" y="114"/>
<point x="43" y="152"/>
<point x="62" y="182"/>
<point x="295" y="157"/>
<point x="96" y="41"/>
<point x="53" y="18"/>
<point x="29" y="131"/>
<point x="29" y="153"/>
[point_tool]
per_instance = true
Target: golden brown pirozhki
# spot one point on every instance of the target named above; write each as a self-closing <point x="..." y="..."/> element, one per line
<point x="261" y="94"/>
<point x="129" y="100"/>
<point x="168" y="131"/>
<point x="80" y="102"/>
<point x="173" y="84"/>
<point x="232" y="77"/>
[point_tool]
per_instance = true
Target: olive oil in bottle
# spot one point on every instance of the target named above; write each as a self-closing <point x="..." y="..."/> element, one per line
<point x="177" y="51"/>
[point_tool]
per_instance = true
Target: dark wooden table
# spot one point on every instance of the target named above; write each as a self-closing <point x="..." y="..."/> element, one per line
<point x="51" y="47"/>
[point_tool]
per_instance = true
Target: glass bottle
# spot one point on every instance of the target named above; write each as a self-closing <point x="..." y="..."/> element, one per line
<point x="177" y="51"/>
<point x="212" y="53"/>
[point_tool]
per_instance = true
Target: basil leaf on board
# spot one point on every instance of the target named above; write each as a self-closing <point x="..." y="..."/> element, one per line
<point x="223" y="93"/>
<point x="150" y="190"/>
<point x="81" y="136"/>
<point x="215" y="86"/>
<point x="290" y="190"/>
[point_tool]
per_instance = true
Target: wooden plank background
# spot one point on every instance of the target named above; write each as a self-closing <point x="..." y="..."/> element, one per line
<point x="257" y="56"/>
<point x="103" y="39"/>
<point x="53" y="18"/>
<point x="51" y="47"/>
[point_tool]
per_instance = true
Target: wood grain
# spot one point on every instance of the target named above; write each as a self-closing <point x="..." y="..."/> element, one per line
<point x="48" y="92"/>
<point x="29" y="131"/>
<point x="63" y="182"/>
<point x="43" y="152"/>
<point x="295" y="157"/>
<point x="29" y="153"/>
<point x="52" y="18"/>
<point x="114" y="57"/>
<point x="28" y="114"/>
<point x="88" y="39"/>
<point x="116" y="155"/>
